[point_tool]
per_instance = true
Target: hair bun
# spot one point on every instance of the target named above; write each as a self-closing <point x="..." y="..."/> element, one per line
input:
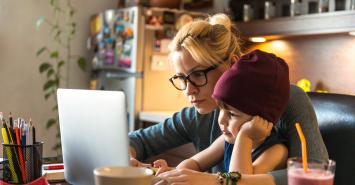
<point x="222" y="19"/>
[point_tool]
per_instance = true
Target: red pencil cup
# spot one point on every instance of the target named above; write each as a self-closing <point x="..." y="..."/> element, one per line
<point x="22" y="163"/>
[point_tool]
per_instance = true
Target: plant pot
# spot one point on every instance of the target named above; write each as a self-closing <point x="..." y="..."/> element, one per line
<point x="165" y="3"/>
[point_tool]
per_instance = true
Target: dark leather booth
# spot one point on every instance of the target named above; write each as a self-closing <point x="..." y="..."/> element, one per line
<point x="336" y="119"/>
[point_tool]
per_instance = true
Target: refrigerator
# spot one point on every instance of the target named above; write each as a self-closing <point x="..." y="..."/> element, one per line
<point x="126" y="39"/>
<point x="117" y="63"/>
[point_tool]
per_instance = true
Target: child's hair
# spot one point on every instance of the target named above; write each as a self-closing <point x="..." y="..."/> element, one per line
<point x="210" y="42"/>
<point x="257" y="84"/>
<point x="221" y="104"/>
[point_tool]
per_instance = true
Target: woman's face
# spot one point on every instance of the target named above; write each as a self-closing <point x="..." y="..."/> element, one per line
<point x="200" y="97"/>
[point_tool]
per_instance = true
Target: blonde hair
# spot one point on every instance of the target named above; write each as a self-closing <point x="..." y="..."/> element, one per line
<point x="210" y="42"/>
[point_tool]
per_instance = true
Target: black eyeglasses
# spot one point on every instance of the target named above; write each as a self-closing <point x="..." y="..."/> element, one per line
<point x="197" y="78"/>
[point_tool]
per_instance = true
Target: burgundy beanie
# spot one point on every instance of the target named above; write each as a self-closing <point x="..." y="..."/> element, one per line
<point x="258" y="84"/>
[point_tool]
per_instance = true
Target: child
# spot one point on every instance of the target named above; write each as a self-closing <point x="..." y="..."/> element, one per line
<point x="252" y="96"/>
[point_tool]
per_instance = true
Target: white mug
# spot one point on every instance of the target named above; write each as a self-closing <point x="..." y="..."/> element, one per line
<point x="116" y="175"/>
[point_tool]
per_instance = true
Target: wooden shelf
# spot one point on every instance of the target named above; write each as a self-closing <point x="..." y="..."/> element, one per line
<point x="312" y="24"/>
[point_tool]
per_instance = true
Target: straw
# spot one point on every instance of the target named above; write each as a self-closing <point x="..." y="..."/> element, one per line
<point x="304" y="147"/>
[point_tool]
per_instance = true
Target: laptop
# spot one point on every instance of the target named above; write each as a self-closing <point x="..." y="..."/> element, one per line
<point x="94" y="132"/>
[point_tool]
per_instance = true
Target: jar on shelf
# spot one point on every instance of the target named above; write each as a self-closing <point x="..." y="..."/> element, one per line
<point x="269" y="10"/>
<point x="323" y="6"/>
<point x="247" y="13"/>
<point x="295" y="8"/>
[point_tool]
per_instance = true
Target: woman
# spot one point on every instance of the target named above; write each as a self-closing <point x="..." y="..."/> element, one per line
<point x="201" y="52"/>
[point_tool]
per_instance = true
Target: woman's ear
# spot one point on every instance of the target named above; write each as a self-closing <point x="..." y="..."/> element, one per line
<point x="234" y="59"/>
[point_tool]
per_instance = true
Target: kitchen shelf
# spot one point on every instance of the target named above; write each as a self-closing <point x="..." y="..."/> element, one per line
<point x="311" y="24"/>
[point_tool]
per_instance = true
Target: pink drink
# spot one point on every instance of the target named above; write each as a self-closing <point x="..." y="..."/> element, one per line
<point x="297" y="176"/>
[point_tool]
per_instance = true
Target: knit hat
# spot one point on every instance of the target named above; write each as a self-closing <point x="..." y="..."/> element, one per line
<point x="258" y="84"/>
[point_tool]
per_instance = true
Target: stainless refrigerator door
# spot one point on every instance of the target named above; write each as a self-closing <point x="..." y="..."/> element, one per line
<point x="131" y="85"/>
<point x="123" y="33"/>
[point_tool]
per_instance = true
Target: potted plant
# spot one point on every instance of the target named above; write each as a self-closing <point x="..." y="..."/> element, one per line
<point x="57" y="55"/>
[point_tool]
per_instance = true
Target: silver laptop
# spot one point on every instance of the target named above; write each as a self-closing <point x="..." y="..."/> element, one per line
<point x="93" y="126"/>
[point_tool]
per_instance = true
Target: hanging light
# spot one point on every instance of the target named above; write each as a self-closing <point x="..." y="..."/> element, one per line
<point x="257" y="39"/>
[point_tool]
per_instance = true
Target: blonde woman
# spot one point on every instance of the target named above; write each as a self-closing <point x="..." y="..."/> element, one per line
<point x="201" y="52"/>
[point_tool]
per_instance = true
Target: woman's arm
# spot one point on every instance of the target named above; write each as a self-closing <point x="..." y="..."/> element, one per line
<point x="299" y="109"/>
<point x="173" y="132"/>
<point x="186" y="176"/>
<point x="205" y="159"/>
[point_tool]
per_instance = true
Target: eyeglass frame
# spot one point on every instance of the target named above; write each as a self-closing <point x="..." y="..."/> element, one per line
<point x="186" y="78"/>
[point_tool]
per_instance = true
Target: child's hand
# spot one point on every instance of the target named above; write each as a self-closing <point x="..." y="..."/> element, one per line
<point x="160" y="163"/>
<point x="256" y="129"/>
<point x="134" y="162"/>
<point x="162" y="166"/>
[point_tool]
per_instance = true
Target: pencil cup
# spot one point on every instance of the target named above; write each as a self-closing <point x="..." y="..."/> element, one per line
<point x="22" y="163"/>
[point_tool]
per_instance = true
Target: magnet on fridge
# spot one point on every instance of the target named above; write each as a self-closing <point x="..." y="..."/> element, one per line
<point x="125" y="63"/>
<point x="119" y="29"/>
<point x="95" y="25"/>
<point x="168" y="17"/>
<point x="128" y="33"/>
<point x="126" y="16"/>
<point x="127" y="49"/>
<point x="119" y="16"/>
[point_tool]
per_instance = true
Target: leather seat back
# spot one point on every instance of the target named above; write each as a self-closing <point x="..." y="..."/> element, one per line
<point x="336" y="119"/>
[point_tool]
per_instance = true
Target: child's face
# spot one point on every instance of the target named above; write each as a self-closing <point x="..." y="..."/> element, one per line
<point x="230" y="120"/>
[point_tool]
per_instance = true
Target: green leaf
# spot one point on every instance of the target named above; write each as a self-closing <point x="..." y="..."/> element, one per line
<point x="54" y="54"/>
<point x="40" y="51"/>
<point x="71" y="13"/>
<point x="72" y="32"/>
<point x="40" y="21"/>
<point x="44" y="67"/>
<point x="61" y="63"/>
<point x="46" y="96"/>
<point x="82" y="63"/>
<point x="49" y="84"/>
<point x="55" y="108"/>
<point x="58" y="33"/>
<point x="50" y="72"/>
<point x="54" y="27"/>
<point x="57" y="146"/>
<point x="50" y="123"/>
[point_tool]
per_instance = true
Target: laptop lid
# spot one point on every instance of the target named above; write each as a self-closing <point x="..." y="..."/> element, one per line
<point x="93" y="126"/>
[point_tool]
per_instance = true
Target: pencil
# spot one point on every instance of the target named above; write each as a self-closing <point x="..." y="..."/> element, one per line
<point x="9" y="156"/>
<point x="22" y="164"/>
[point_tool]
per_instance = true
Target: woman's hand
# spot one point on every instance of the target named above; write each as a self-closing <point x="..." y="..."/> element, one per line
<point x="256" y="129"/>
<point x="187" y="177"/>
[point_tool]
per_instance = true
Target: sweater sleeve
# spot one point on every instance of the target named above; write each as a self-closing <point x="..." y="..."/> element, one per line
<point x="173" y="132"/>
<point x="300" y="109"/>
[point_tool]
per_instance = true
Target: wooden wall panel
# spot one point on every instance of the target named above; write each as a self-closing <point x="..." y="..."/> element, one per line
<point x="323" y="59"/>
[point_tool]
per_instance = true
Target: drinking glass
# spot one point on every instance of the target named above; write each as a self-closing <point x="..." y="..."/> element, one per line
<point x="318" y="173"/>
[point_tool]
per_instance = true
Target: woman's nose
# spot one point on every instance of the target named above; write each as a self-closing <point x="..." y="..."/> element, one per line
<point x="190" y="89"/>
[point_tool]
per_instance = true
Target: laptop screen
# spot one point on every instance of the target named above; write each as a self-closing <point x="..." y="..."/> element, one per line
<point x="94" y="132"/>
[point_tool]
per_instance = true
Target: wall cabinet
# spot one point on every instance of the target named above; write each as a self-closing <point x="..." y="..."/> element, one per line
<point x="311" y="24"/>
